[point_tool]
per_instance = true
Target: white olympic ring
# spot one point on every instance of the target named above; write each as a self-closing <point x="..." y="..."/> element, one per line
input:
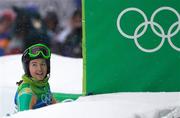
<point x="149" y="50"/>
<point x="169" y="38"/>
<point x="169" y="35"/>
<point x="119" y="20"/>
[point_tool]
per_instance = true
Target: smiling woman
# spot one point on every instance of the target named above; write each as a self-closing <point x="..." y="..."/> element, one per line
<point x="34" y="90"/>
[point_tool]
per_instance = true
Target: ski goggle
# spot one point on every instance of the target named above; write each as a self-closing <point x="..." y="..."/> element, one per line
<point x="38" y="49"/>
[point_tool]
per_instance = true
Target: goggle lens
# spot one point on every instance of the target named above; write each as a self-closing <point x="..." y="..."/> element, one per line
<point x="39" y="48"/>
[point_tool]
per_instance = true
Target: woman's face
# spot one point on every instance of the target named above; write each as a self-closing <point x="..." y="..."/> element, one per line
<point x="38" y="68"/>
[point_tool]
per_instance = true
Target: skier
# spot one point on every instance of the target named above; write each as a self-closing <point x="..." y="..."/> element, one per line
<point x="34" y="90"/>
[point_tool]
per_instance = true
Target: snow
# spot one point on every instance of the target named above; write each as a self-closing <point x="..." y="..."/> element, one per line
<point x="66" y="77"/>
<point x="117" y="105"/>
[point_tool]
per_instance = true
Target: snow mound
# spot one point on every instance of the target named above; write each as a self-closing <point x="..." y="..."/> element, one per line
<point x="117" y="105"/>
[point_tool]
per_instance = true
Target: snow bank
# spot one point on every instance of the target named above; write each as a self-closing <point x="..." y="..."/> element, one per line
<point x="117" y="105"/>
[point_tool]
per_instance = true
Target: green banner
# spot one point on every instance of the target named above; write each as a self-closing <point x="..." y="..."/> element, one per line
<point x="131" y="46"/>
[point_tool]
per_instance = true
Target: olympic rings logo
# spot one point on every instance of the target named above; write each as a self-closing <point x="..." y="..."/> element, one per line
<point x="152" y="24"/>
<point x="46" y="98"/>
